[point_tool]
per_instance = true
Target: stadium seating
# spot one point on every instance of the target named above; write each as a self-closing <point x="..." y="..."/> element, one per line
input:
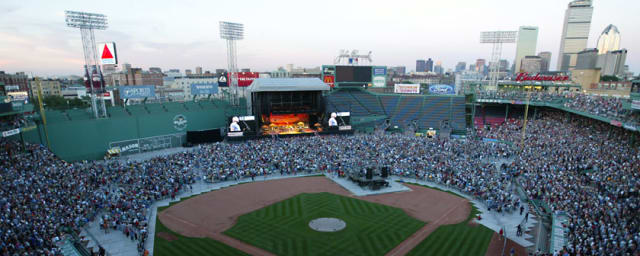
<point x="434" y="111"/>
<point x="342" y="100"/>
<point x="408" y="109"/>
<point x="389" y="103"/>
<point x="368" y="100"/>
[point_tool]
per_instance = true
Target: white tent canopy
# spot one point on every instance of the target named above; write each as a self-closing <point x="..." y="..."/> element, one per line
<point x="287" y="85"/>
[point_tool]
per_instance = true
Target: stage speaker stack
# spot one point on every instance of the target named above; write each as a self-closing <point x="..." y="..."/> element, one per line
<point x="369" y="175"/>
<point x="385" y="172"/>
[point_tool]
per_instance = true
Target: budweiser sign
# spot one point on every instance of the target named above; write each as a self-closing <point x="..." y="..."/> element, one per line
<point x="538" y="77"/>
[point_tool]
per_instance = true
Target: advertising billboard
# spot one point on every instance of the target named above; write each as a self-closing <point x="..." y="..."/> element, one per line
<point x="407" y="88"/>
<point x="204" y="88"/>
<point x="222" y="80"/>
<point x="330" y="80"/>
<point x="380" y="71"/>
<point x="379" y="76"/>
<point x="107" y="53"/>
<point x="18" y="96"/>
<point x="137" y="92"/>
<point x="246" y="78"/>
<point x="379" y="81"/>
<point x="441" y="89"/>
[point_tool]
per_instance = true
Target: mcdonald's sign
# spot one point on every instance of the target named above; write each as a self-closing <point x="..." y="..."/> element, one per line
<point x="329" y="80"/>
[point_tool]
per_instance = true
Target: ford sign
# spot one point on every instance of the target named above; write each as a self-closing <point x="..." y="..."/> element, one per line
<point x="441" y="89"/>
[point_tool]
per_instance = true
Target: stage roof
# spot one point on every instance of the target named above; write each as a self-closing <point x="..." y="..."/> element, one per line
<point x="287" y="85"/>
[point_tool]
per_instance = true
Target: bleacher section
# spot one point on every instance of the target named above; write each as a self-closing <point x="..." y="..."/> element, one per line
<point x="342" y="100"/>
<point x="368" y="100"/>
<point x="434" y="111"/>
<point x="458" y="111"/>
<point x="389" y="103"/>
<point x="407" y="110"/>
<point x="429" y="111"/>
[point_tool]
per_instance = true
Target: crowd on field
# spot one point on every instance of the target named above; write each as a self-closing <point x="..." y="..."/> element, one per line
<point x="586" y="169"/>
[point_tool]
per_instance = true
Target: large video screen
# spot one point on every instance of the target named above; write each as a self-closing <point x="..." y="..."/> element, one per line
<point x="353" y="74"/>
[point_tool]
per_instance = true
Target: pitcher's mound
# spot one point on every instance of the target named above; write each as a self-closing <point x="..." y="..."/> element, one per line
<point x="327" y="224"/>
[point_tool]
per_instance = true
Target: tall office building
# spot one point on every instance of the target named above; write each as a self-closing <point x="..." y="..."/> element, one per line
<point x="526" y="44"/>
<point x="461" y="66"/>
<point x="503" y="66"/>
<point x="198" y="70"/>
<point x="400" y="70"/>
<point x="429" y="65"/>
<point x="531" y="64"/>
<point x="587" y="59"/>
<point x="609" y="40"/>
<point x="575" y="33"/>
<point x="612" y="63"/>
<point x="481" y="65"/>
<point x="421" y="66"/>
<point x="546" y="61"/>
<point x="438" y="68"/>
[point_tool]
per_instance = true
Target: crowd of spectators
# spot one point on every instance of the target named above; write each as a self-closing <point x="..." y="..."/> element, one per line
<point x="578" y="166"/>
<point x="43" y="199"/>
<point x="604" y="106"/>
<point x="585" y="169"/>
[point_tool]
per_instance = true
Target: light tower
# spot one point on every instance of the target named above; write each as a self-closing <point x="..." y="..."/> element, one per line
<point x="497" y="38"/>
<point x="87" y="22"/>
<point x="232" y="32"/>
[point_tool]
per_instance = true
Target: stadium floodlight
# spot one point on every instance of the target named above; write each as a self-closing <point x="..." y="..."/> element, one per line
<point x="87" y="22"/>
<point x="497" y="38"/>
<point x="232" y="32"/>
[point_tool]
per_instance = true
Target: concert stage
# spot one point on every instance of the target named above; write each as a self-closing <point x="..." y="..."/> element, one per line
<point x="285" y="107"/>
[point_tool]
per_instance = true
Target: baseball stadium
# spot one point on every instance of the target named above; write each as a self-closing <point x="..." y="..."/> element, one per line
<point x="326" y="166"/>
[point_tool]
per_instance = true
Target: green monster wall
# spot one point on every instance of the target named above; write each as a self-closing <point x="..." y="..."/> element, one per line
<point x="75" y="136"/>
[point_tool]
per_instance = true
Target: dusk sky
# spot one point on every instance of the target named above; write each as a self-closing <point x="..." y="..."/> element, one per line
<point x="184" y="34"/>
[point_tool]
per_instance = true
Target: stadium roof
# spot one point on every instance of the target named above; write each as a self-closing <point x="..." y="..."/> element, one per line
<point x="287" y="85"/>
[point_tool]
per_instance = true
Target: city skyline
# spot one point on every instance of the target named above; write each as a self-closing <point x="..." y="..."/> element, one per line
<point x="34" y="39"/>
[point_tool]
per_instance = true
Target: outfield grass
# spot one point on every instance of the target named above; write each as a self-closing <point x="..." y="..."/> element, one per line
<point x="282" y="228"/>
<point x="456" y="239"/>
<point x="187" y="246"/>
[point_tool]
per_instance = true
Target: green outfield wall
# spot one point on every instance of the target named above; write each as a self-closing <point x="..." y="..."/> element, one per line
<point x="74" y="135"/>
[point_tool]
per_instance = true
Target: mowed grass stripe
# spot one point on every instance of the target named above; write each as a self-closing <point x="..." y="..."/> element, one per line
<point x="456" y="239"/>
<point x="187" y="246"/>
<point x="369" y="226"/>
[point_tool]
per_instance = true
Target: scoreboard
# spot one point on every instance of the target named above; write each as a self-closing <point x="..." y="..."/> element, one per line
<point x="347" y="76"/>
